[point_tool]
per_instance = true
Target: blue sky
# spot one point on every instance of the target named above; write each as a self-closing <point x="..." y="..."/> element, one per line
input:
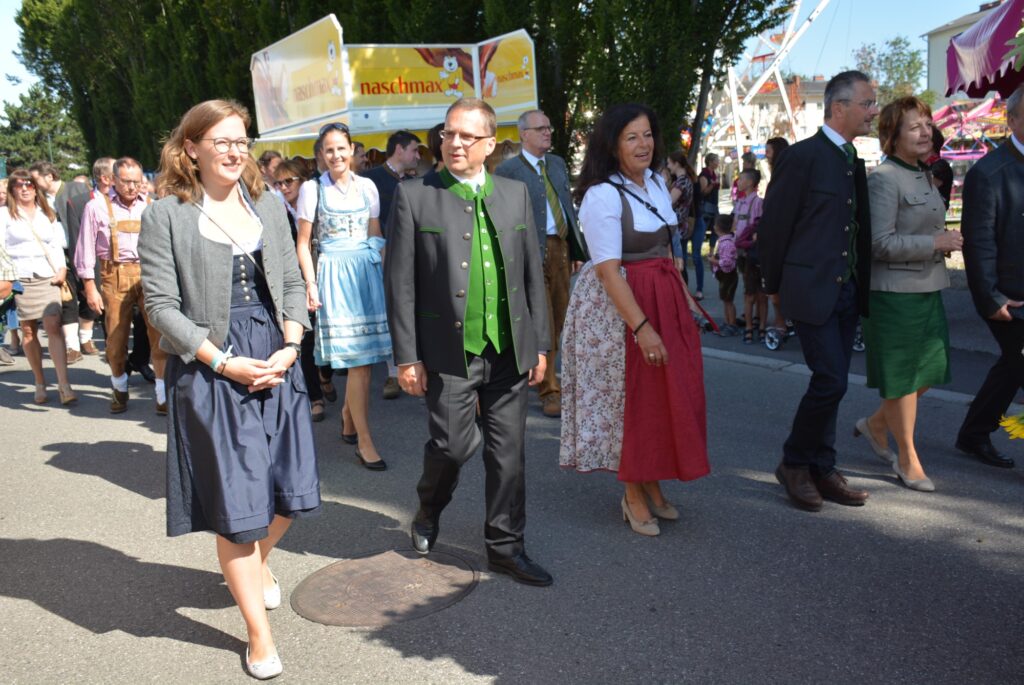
<point x="827" y="46"/>
<point x="845" y="25"/>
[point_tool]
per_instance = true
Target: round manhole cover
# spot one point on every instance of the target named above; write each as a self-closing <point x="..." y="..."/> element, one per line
<point x="383" y="588"/>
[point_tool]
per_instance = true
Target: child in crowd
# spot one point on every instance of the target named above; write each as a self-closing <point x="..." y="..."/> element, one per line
<point x="747" y="211"/>
<point x="723" y="266"/>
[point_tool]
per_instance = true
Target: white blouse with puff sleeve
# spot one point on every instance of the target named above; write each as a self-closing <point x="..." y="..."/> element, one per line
<point x="601" y="214"/>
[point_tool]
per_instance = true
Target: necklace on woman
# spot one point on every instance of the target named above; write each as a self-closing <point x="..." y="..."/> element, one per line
<point x="337" y="184"/>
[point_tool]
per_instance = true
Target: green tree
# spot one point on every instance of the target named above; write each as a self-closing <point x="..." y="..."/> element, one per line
<point x="896" y="68"/>
<point x="37" y="128"/>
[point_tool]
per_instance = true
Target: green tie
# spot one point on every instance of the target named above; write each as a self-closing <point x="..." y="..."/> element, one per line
<point x="851" y="152"/>
<point x="556" y="206"/>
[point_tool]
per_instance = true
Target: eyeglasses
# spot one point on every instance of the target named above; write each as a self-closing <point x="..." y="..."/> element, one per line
<point x="467" y="139"/>
<point x="18" y="184"/>
<point x="133" y="183"/>
<point x="286" y="181"/>
<point x="333" y="126"/>
<point x="866" y="104"/>
<point x="223" y="145"/>
<point x="540" y="129"/>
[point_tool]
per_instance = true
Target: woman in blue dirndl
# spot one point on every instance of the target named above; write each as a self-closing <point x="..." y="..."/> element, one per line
<point x="223" y="287"/>
<point x="347" y="284"/>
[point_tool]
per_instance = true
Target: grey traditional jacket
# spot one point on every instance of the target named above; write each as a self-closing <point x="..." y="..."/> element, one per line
<point x="186" y="278"/>
<point x="519" y="169"/>
<point x="426" y="273"/>
<point x="906" y="214"/>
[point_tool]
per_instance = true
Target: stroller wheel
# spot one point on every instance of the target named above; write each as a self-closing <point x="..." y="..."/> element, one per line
<point x="772" y="339"/>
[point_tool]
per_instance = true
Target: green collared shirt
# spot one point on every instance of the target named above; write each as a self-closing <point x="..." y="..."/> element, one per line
<point x="487" y="317"/>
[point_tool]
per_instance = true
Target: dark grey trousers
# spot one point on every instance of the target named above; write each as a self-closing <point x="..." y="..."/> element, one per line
<point x="454" y="437"/>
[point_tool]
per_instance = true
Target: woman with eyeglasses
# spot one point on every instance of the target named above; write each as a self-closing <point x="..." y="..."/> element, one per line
<point x="288" y="178"/>
<point x="223" y="287"/>
<point x="34" y="240"/>
<point x="347" y="284"/>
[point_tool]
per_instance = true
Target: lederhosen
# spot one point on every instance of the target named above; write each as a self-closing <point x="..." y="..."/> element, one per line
<point x="121" y="288"/>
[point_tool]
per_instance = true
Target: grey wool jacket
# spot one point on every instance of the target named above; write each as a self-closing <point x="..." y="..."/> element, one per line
<point x="186" y="278"/>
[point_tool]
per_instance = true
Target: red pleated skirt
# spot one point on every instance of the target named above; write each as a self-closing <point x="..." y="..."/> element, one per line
<point x="665" y="422"/>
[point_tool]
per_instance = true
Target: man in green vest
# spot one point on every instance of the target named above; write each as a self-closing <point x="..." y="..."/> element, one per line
<point x="468" y="319"/>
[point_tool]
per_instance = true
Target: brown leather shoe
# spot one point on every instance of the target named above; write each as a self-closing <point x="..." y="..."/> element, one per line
<point x="74" y="356"/>
<point x="799" y="487"/>
<point x="89" y="348"/>
<point x="834" y="487"/>
<point x="119" y="404"/>
<point x="552" y="405"/>
<point x="161" y="408"/>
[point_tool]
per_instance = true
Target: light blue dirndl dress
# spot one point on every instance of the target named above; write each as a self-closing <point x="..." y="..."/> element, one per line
<point x="352" y="323"/>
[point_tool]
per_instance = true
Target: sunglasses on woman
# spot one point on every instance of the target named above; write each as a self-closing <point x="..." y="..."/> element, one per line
<point x="16" y="185"/>
<point x="333" y="126"/>
<point x="281" y="182"/>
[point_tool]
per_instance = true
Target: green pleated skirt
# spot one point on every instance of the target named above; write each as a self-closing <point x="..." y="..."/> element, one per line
<point x="906" y="341"/>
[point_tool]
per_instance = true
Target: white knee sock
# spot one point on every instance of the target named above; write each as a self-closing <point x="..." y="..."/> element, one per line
<point x="71" y="336"/>
<point x="120" y="383"/>
<point x="84" y="335"/>
<point x="161" y="391"/>
<point x="392" y="369"/>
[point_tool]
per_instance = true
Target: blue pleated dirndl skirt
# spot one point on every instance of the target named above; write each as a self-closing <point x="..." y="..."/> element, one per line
<point x="236" y="459"/>
<point x="352" y="324"/>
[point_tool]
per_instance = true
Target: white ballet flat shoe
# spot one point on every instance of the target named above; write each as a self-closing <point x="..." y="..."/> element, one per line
<point x="272" y="595"/>
<point x="264" y="670"/>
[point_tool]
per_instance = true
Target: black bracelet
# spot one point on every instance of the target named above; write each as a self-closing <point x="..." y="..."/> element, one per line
<point x="294" y="346"/>
<point x="638" y="327"/>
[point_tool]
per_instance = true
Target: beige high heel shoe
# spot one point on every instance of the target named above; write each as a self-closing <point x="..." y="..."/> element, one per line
<point x="41" y="397"/>
<point x="67" y="395"/>
<point x="667" y="512"/>
<point x="649" y="528"/>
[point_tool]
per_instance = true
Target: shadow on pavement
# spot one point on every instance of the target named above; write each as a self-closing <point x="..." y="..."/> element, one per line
<point x="130" y="465"/>
<point x="102" y="589"/>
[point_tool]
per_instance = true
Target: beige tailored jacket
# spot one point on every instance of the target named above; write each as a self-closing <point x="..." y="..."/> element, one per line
<point x="906" y="214"/>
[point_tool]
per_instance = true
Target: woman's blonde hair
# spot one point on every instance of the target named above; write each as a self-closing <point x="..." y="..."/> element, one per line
<point x="179" y="173"/>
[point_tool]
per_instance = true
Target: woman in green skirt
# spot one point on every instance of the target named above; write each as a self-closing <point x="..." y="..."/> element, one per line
<point x="906" y="335"/>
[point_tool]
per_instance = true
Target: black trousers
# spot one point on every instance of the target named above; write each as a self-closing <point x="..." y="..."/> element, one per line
<point x="139" y="356"/>
<point x="454" y="437"/>
<point x="1004" y="379"/>
<point x="827" y="350"/>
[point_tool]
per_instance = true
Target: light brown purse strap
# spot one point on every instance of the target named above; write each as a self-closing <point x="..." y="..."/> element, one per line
<point x="42" y="246"/>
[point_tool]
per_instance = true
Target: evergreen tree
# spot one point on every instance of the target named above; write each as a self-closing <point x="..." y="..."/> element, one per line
<point x="38" y="128"/>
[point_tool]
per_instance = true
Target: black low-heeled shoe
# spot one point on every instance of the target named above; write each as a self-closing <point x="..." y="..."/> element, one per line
<point x="351" y="439"/>
<point x="379" y="465"/>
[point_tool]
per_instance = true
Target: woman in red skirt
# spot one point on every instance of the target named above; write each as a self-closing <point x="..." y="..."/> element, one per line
<point x="632" y="374"/>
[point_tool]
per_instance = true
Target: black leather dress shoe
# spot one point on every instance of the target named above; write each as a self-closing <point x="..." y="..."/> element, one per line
<point x="522" y="568"/>
<point x="423" y="536"/>
<point x="987" y="453"/>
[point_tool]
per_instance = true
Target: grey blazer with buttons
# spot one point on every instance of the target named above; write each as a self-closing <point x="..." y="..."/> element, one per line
<point x="186" y="278"/>
<point x="426" y="272"/>
<point x="906" y="214"/>
<point x="519" y="169"/>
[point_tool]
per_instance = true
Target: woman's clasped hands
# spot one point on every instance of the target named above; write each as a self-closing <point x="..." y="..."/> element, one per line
<point x="260" y="374"/>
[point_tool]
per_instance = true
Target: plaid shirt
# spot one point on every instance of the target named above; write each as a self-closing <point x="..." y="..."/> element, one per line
<point x="7" y="272"/>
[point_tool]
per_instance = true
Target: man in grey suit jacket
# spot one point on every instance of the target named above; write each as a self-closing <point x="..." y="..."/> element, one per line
<point x="994" y="261"/>
<point x="466" y="308"/>
<point x="558" y="231"/>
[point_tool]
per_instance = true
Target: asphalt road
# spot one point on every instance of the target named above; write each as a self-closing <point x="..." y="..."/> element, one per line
<point x="913" y="587"/>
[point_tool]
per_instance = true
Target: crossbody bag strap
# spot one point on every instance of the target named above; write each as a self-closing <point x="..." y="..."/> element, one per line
<point x="233" y="241"/>
<point x="42" y="246"/>
<point x="654" y="210"/>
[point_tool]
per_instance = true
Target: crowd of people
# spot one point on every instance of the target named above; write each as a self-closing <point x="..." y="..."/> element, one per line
<point x="467" y="282"/>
